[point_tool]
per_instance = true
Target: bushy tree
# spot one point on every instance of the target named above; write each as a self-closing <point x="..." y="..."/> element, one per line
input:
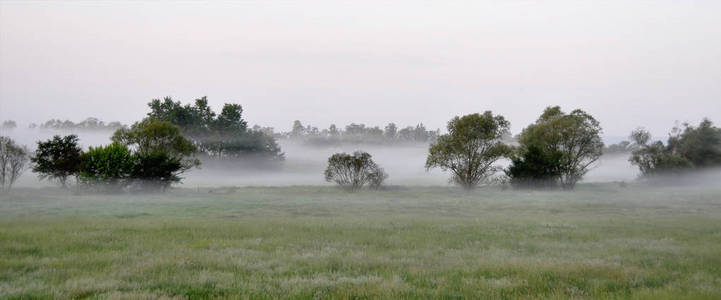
<point x="576" y="137"/>
<point x="471" y="147"/>
<point x="57" y="158"/>
<point x="352" y="172"/>
<point x="13" y="161"/>
<point x="109" y="168"/>
<point x="534" y="167"/>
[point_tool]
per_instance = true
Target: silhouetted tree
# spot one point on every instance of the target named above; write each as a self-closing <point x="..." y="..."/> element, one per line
<point x="57" y="158"/>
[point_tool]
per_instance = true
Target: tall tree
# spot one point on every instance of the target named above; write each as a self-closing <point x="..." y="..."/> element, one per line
<point x="576" y="136"/>
<point x="471" y="147"/>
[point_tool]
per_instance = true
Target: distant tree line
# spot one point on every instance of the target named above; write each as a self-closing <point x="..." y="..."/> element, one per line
<point x="9" y="124"/>
<point x="87" y="124"/>
<point x="556" y="151"/>
<point x="223" y="135"/>
<point x="360" y="134"/>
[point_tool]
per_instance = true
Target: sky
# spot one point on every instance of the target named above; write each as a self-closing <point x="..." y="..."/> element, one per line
<point x="628" y="63"/>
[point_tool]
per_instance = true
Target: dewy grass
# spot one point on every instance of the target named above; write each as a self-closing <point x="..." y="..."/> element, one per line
<point x="601" y="241"/>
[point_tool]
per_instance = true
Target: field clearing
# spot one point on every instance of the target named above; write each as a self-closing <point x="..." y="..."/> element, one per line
<point x="601" y="241"/>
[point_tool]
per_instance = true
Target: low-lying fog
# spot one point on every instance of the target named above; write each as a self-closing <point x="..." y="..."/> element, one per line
<point x="304" y="165"/>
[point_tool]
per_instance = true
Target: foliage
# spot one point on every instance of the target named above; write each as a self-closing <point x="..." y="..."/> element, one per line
<point x="576" y="137"/>
<point x="109" y="167"/>
<point x="535" y="168"/>
<point x="13" y="160"/>
<point x="57" y="158"/>
<point x="224" y="135"/>
<point x="688" y="148"/>
<point x="471" y="147"/>
<point x="157" y="171"/>
<point x="152" y="136"/>
<point x="352" y="172"/>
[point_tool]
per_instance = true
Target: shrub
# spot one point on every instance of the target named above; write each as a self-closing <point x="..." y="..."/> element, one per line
<point x="352" y="172"/>
<point x="108" y="168"/>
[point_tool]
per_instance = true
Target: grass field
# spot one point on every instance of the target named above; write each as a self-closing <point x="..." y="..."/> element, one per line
<point x="602" y="241"/>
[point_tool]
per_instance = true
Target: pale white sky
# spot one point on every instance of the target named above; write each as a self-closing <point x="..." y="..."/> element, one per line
<point x="629" y="63"/>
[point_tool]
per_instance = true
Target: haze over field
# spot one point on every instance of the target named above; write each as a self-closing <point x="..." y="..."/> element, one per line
<point x="628" y="63"/>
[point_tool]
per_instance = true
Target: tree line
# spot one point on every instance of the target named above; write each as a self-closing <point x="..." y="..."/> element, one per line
<point x="556" y="151"/>
<point x="360" y="134"/>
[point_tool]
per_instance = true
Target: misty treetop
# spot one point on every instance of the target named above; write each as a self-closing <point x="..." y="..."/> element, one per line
<point x="360" y="134"/>
<point x="223" y="135"/>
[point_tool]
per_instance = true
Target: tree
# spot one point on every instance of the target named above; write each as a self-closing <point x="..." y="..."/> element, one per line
<point x="688" y="148"/>
<point x="391" y="130"/>
<point x="151" y="136"/>
<point x="57" y="158"/>
<point x="110" y="167"/>
<point x="576" y="136"/>
<point x="700" y="145"/>
<point x="9" y="124"/>
<point x="471" y="147"/>
<point x="534" y="168"/>
<point x="13" y="160"/>
<point x="352" y="172"/>
<point x="157" y="171"/>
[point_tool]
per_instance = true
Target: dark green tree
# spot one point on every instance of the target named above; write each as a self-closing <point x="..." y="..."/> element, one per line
<point x="533" y="167"/>
<point x="57" y="158"/>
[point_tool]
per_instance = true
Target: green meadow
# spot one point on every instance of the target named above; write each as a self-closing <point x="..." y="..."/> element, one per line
<point x="602" y="241"/>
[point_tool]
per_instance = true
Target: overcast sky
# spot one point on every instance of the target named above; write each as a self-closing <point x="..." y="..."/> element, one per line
<point x="629" y="63"/>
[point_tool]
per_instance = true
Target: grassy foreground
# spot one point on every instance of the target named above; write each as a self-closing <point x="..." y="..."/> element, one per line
<point x="602" y="241"/>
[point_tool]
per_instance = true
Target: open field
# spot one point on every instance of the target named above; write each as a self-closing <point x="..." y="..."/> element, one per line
<point x="602" y="241"/>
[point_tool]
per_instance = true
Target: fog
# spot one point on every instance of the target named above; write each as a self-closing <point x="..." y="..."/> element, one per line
<point x="627" y="63"/>
<point x="304" y="164"/>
